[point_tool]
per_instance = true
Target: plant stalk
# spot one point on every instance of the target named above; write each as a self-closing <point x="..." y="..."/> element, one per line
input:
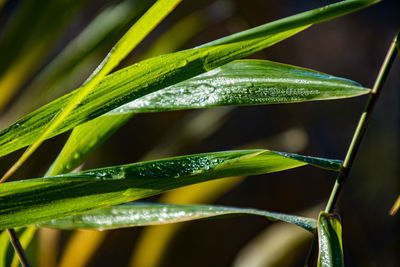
<point x="362" y="125"/>
<point x="18" y="248"/>
<point x="357" y="137"/>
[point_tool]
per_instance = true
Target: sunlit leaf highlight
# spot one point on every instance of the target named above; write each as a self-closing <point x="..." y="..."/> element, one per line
<point x="330" y="241"/>
<point x="160" y="72"/>
<point x="43" y="199"/>
<point x="141" y="214"/>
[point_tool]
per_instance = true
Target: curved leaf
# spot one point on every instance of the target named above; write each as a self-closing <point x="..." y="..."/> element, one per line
<point x="37" y="200"/>
<point x="78" y="57"/>
<point x="140" y="214"/>
<point x="330" y="241"/>
<point x="120" y="50"/>
<point x="159" y="72"/>
<point x="244" y="82"/>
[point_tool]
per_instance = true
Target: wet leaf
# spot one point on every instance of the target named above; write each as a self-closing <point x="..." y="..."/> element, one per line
<point x="244" y="82"/>
<point x="159" y="72"/>
<point x="330" y="241"/>
<point x="140" y="214"/>
<point x="43" y="199"/>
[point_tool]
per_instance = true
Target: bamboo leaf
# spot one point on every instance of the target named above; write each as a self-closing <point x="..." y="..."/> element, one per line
<point x="81" y="55"/>
<point x="330" y="241"/>
<point x="43" y="199"/>
<point x="245" y="82"/>
<point x="84" y="139"/>
<point x="156" y="73"/>
<point x="141" y="214"/>
<point x="120" y="50"/>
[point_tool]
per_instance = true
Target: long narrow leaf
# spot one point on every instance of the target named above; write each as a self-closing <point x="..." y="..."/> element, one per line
<point x="330" y="241"/>
<point x="140" y="214"/>
<point x="43" y="199"/>
<point x="159" y="72"/>
<point x="121" y="49"/>
<point x="84" y="139"/>
<point x="245" y="82"/>
<point x="28" y="39"/>
<point x="75" y="61"/>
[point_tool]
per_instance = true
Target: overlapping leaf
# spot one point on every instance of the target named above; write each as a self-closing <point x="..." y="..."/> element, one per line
<point x="78" y="58"/>
<point x="245" y="82"/>
<point x="118" y="52"/>
<point x="140" y="214"/>
<point x="330" y="241"/>
<point x="159" y="72"/>
<point x="43" y="199"/>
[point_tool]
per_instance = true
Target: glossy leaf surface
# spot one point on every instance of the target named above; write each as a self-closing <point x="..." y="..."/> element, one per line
<point x="156" y="73"/>
<point x="118" y="52"/>
<point x="140" y="214"/>
<point x="43" y="199"/>
<point x="244" y="82"/>
<point x="330" y="241"/>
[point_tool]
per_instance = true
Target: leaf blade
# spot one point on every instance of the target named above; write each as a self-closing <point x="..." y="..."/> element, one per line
<point x="119" y="51"/>
<point x="159" y="72"/>
<point x="246" y="82"/>
<point x="36" y="200"/>
<point x="142" y="214"/>
<point x="330" y="241"/>
<point x="243" y="82"/>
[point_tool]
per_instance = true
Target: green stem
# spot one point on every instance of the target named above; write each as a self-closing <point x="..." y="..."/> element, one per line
<point x="362" y="125"/>
<point x="18" y="248"/>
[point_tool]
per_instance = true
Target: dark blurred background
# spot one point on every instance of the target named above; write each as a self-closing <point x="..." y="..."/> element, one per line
<point x="352" y="47"/>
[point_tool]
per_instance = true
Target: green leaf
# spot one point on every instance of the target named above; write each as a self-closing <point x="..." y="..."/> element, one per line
<point x="244" y="82"/>
<point x="140" y="214"/>
<point x="43" y="199"/>
<point x="330" y="241"/>
<point x="119" y="51"/>
<point x="78" y="58"/>
<point x="84" y="139"/>
<point x="156" y="73"/>
<point x="28" y="39"/>
<point x="5" y="249"/>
